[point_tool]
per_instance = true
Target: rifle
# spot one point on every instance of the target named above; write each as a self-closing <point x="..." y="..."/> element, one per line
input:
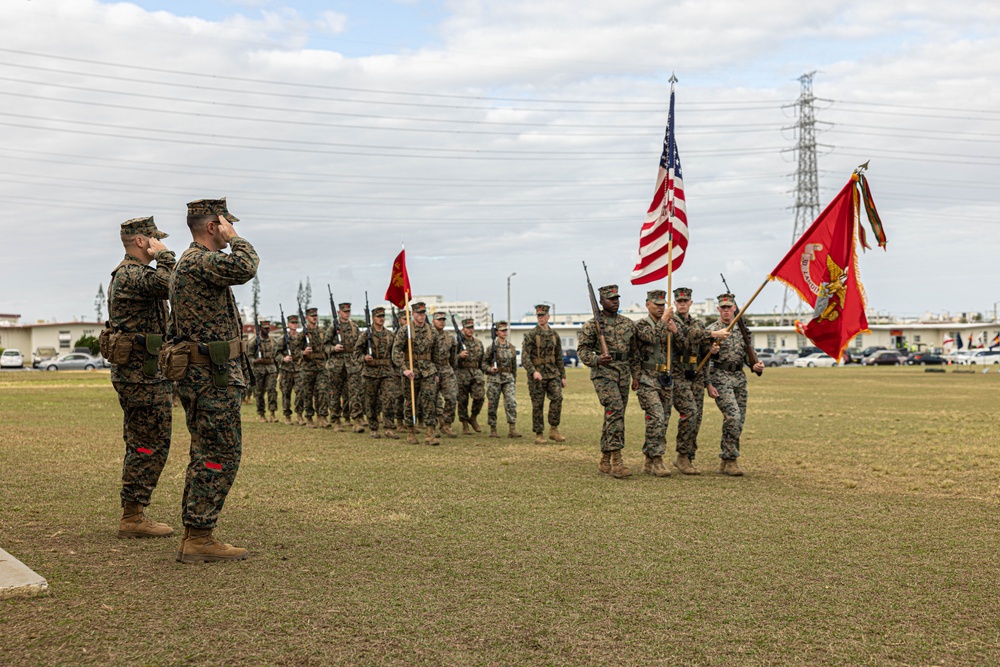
<point x="305" y="327"/>
<point x="335" y="324"/>
<point x="747" y="342"/>
<point x="458" y="333"/>
<point x="493" y="334"/>
<point x="368" y="324"/>
<point x="284" y="328"/>
<point x="395" y="320"/>
<point x="258" y="354"/>
<point x="594" y="307"/>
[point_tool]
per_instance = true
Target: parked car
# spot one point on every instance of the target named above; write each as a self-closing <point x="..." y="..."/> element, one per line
<point x="885" y="358"/>
<point x="851" y="357"/>
<point x="570" y="357"/>
<point x="43" y="354"/>
<point x="74" y="361"/>
<point x="788" y="356"/>
<point x="869" y="351"/>
<point x="980" y="357"/>
<point x="925" y="359"/>
<point x="809" y="349"/>
<point x="11" y="358"/>
<point x="815" y="359"/>
<point x="770" y="359"/>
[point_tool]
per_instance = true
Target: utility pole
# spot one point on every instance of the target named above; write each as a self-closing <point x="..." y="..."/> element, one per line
<point x="806" y="174"/>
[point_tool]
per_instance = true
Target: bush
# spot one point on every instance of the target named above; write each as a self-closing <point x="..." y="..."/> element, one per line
<point x="89" y="342"/>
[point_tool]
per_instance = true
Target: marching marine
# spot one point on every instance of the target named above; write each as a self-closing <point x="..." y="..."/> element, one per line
<point x="444" y="358"/>
<point x="265" y="371"/>
<point x="344" y="372"/>
<point x="313" y="388"/>
<point x="501" y="379"/>
<point x="137" y="321"/>
<point x="727" y="384"/>
<point x="542" y="358"/>
<point x="288" y="374"/>
<point x="611" y="375"/>
<point x="207" y="323"/>
<point x="424" y="373"/>
<point x="653" y="383"/>
<point x="379" y="377"/>
<point x="469" y="376"/>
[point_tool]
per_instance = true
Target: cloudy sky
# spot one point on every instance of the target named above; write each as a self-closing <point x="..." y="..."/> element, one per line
<point x="493" y="138"/>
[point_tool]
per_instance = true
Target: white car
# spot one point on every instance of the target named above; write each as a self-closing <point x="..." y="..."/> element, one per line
<point x="11" y="359"/>
<point x="815" y="359"/>
<point x="979" y="357"/>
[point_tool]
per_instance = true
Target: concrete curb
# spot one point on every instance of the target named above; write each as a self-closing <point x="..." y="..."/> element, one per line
<point x="18" y="580"/>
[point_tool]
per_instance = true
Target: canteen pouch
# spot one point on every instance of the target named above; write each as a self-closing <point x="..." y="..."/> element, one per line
<point x="104" y="340"/>
<point x="153" y="344"/>
<point x="119" y="347"/>
<point x="218" y="352"/>
<point x="173" y="360"/>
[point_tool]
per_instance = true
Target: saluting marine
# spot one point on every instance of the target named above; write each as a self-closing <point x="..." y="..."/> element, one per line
<point x="137" y="321"/>
<point x="653" y="384"/>
<point x="501" y="380"/>
<point x="727" y="384"/>
<point x="611" y="375"/>
<point x="542" y="358"/>
<point x="206" y="319"/>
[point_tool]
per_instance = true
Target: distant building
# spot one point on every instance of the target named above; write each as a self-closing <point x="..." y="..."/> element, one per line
<point x="59" y="335"/>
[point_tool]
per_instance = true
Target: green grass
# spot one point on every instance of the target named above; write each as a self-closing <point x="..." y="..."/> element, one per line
<point x="865" y="533"/>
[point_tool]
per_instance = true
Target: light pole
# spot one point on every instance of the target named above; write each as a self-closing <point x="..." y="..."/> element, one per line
<point x="508" y="296"/>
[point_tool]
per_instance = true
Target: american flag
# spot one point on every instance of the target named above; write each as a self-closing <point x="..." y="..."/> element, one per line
<point x="667" y="214"/>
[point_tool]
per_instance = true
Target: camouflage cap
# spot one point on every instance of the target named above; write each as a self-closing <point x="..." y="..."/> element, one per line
<point x="682" y="294"/>
<point x="418" y="307"/>
<point x="378" y="311"/>
<point x="142" y="227"/>
<point x="265" y="324"/>
<point x="211" y="207"/>
<point x="727" y="299"/>
<point x="292" y="319"/>
<point x="468" y="323"/>
<point x="609" y="292"/>
<point x="312" y="311"/>
<point x="502" y="325"/>
<point x="541" y="309"/>
<point x="440" y="316"/>
<point x="344" y="306"/>
<point x="657" y="296"/>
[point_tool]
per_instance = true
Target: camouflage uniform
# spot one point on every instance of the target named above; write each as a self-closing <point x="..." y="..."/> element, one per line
<point x="541" y="351"/>
<point x="137" y="305"/>
<point x="469" y="376"/>
<point x="288" y="376"/>
<point x="445" y="355"/>
<point x="265" y="372"/>
<point x="504" y="381"/>
<point x="313" y="386"/>
<point x="727" y="376"/>
<point x="654" y="397"/>
<point x="611" y="382"/>
<point x="379" y="378"/>
<point x="204" y="311"/>
<point x="691" y="344"/>
<point x="344" y="371"/>
<point x="425" y="376"/>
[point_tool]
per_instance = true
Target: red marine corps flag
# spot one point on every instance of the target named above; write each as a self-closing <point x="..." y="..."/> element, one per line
<point x="823" y="268"/>
<point x="399" y="293"/>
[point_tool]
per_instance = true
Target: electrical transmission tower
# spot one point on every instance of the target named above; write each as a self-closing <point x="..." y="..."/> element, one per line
<point x="806" y="175"/>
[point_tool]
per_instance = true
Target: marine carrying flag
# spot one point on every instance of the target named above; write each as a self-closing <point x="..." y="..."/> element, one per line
<point x="667" y="214"/>
<point x="398" y="292"/>
<point x="822" y="268"/>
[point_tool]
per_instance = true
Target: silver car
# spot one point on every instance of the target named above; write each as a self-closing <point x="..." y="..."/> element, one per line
<point x="74" y="361"/>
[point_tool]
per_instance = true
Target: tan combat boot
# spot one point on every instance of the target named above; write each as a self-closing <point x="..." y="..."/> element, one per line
<point x="288" y="420"/>
<point x="683" y="463"/>
<point x="324" y="422"/>
<point x="411" y="436"/>
<point x="134" y="523"/>
<point x="604" y="467"/>
<point x="512" y="433"/>
<point x="618" y="467"/>
<point x="447" y="432"/>
<point x="474" y="423"/>
<point x="200" y="547"/>
<point x="389" y="433"/>
<point x="310" y="423"/>
<point x="466" y="429"/>
<point x="274" y="418"/>
<point x="732" y="469"/>
<point x="360" y="425"/>
<point x="554" y="434"/>
<point x="430" y="438"/>
<point x="493" y="432"/>
<point x="299" y="419"/>
<point x="376" y="434"/>
<point x="540" y="438"/>
<point x="262" y="418"/>
<point x="654" y="466"/>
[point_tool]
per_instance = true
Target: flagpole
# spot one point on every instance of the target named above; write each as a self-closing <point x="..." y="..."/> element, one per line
<point x="409" y="348"/>
<point x="670" y="278"/>
<point x="737" y="318"/>
<point x="670" y="219"/>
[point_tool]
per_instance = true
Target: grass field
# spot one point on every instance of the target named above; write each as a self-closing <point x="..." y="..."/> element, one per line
<point x="865" y="533"/>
